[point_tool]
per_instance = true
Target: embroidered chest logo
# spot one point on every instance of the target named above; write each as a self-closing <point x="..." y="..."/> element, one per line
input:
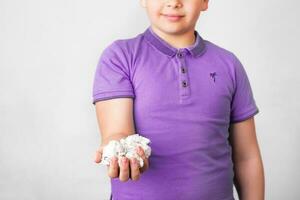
<point x="213" y="76"/>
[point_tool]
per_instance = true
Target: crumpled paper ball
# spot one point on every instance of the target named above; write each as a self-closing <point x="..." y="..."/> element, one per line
<point x="126" y="147"/>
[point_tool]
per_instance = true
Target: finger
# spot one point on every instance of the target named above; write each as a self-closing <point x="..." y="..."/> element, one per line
<point x="143" y="156"/>
<point x="113" y="168"/>
<point x="124" y="169"/>
<point x="98" y="156"/>
<point x="134" y="169"/>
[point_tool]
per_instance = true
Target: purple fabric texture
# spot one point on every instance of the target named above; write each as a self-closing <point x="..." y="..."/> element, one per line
<point x="184" y="102"/>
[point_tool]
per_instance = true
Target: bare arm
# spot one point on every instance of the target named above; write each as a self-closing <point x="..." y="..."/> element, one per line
<point x="115" y="118"/>
<point x="248" y="166"/>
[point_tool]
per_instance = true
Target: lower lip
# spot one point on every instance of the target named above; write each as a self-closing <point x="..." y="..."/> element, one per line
<point x="173" y="19"/>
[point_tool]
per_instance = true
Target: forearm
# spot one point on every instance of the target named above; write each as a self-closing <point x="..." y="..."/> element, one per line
<point x="117" y="136"/>
<point x="249" y="179"/>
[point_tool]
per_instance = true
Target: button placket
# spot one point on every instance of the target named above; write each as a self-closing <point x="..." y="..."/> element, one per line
<point x="184" y="86"/>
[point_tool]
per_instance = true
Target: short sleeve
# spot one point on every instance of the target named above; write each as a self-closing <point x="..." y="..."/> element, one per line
<point x="112" y="79"/>
<point x="243" y="105"/>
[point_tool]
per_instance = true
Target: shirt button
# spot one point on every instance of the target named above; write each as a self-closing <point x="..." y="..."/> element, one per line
<point x="183" y="70"/>
<point x="179" y="55"/>
<point x="184" y="84"/>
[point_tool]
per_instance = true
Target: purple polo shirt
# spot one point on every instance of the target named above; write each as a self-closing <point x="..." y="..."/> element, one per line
<point x="184" y="102"/>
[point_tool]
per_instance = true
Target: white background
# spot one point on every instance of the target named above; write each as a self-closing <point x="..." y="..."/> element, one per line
<point x="48" y="54"/>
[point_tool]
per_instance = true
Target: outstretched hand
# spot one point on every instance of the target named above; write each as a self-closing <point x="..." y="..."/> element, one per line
<point x="129" y="168"/>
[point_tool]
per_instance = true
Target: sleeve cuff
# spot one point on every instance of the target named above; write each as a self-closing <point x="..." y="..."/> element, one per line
<point x="112" y="95"/>
<point x="244" y="116"/>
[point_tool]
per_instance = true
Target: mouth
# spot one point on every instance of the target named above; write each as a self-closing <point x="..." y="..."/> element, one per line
<point x="173" y="17"/>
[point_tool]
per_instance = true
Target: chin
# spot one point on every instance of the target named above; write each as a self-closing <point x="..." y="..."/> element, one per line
<point x="172" y="28"/>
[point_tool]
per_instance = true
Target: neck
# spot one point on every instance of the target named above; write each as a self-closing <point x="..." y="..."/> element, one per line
<point x="181" y="40"/>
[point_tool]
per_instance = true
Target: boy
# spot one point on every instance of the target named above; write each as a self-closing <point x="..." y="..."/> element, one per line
<point x="191" y="98"/>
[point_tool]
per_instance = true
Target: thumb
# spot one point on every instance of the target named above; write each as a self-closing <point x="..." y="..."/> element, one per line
<point x="98" y="155"/>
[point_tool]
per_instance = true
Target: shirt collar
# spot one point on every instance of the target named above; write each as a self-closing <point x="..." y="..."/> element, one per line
<point x="195" y="49"/>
